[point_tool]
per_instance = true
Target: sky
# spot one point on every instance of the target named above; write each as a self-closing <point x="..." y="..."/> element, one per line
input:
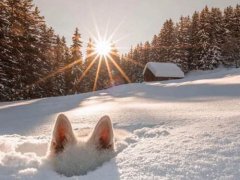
<point x="129" y="21"/>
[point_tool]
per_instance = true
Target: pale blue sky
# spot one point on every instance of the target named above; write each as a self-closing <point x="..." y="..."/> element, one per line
<point x="138" y="20"/>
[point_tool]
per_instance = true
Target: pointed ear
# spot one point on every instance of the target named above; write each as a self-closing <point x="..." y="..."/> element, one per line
<point x="102" y="135"/>
<point x="62" y="134"/>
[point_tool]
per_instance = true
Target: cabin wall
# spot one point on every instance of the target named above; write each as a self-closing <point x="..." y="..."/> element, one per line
<point x="149" y="76"/>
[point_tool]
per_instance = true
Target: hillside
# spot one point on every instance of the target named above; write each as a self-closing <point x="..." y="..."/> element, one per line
<point x="185" y="128"/>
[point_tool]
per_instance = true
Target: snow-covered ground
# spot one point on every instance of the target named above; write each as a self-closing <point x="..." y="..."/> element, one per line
<point x="179" y="129"/>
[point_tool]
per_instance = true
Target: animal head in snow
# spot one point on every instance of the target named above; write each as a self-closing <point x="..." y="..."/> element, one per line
<point x="71" y="155"/>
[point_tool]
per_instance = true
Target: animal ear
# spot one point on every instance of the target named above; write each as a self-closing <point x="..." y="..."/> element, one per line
<point x="102" y="135"/>
<point x="62" y="134"/>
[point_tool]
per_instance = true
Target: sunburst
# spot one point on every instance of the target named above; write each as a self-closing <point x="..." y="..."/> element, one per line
<point x="103" y="48"/>
<point x="102" y="51"/>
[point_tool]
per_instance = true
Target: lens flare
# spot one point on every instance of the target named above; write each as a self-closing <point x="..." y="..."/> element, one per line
<point x="103" y="48"/>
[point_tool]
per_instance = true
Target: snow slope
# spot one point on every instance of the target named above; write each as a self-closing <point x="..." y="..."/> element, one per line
<point x="179" y="129"/>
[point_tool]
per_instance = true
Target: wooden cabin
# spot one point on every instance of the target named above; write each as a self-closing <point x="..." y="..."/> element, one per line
<point x="155" y="71"/>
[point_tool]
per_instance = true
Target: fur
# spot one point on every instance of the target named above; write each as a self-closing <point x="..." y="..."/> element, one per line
<point x="72" y="155"/>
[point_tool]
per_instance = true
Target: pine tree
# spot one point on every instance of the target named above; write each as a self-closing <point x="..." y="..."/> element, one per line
<point x="146" y="53"/>
<point x="136" y="72"/>
<point x="89" y="52"/>
<point x="195" y="48"/>
<point x="76" y="59"/>
<point x="32" y="67"/>
<point x="59" y="63"/>
<point x="5" y="48"/>
<point x="66" y="59"/>
<point x="167" y="40"/>
<point x="207" y="52"/>
<point x="115" y="77"/>
<point x="229" y="43"/>
<point x="154" y="56"/>
<point x="182" y="47"/>
<point x="44" y="86"/>
<point x="236" y="35"/>
<point x="216" y="38"/>
<point x="90" y="62"/>
<point x="127" y="64"/>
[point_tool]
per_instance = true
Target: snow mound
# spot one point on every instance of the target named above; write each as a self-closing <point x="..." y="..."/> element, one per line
<point x="24" y="157"/>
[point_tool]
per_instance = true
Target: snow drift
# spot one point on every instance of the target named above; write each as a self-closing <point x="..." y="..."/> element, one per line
<point x="179" y="129"/>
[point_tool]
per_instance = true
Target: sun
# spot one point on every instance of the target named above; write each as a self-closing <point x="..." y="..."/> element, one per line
<point x="103" y="48"/>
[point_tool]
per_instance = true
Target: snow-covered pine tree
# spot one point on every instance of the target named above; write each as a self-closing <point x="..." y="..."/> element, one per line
<point x="32" y="67"/>
<point x="214" y="54"/>
<point x="229" y="44"/>
<point x="14" y="52"/>
<point x="204" y="35"/>
<point x="116" y="76"/>
<point x="88" y="80"/>
<point x="146" y="53"/>
<point x="89" y="52"/>
<point x="182" y="46"/>
<point x="59" y="63"/>
<point x="154" y="55"/>
<point x="5" y="48"/>
<point x="76" y="58"/>
<point x="236" y="35"/>
<point x="44" y="85"/>
<point x="194" y="42"/>
<point x="127" y="63"/>
<point x="66" y="58"/>
<point x="136" y="73"/>
<point x="167" y="40"/>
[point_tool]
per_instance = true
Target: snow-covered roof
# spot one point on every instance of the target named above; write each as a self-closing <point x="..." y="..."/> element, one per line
<point x="164" y="69"/>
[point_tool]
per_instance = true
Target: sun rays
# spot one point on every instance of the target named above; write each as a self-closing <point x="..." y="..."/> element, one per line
<point x="103" y="48"/>
<point x="103" y="54"/>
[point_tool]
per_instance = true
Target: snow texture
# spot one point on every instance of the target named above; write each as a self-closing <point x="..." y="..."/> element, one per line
<point x="164" y="69"/>
<point x="178" y="129"/>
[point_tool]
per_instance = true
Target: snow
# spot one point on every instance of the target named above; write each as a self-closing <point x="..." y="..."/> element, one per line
<point x="164" y="69"/>
<point x="179" y="129"/>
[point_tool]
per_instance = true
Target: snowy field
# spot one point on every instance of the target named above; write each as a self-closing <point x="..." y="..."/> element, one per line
<point x="179" y="129"/>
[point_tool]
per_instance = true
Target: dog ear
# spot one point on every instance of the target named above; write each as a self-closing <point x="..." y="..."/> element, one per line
<point x="62" y="134"/>
<point x="102" y="135"/>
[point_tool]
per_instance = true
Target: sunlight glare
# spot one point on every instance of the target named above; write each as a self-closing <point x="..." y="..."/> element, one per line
<point x="103" y="48"/>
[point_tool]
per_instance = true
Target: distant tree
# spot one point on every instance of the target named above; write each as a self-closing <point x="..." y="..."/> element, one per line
<point x="116" y="76"/>
<point x="154" y="55"/>
<point x="204" y="35"/>
<point x="195" y="51"/>
<point x="214" y="54"/>
<point x="5" y="48"/>
<point x="64" y="65"/>
<point x="183" y="43"/>
<point x="90" y="61"/>
<point x="146" y="53"/>
<point x="136" y="72"/>
<point x="76" y="60"/>
<point x="59" y="64"/>
<point x="89" y="52"/>
<point x="167" y="40"/>
<point x="229" y="40"/>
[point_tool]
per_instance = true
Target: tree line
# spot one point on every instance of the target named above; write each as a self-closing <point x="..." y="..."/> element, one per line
<point x="204" y="41"/>
<point x="35" y="62"/>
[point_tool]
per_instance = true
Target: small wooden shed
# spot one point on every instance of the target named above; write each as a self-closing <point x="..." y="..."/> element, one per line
<point x="155" y="71"/>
